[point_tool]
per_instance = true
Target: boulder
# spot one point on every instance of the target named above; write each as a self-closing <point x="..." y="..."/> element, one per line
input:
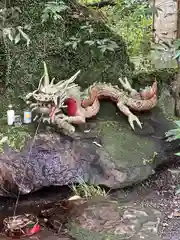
<point x="166" y="101"/>
<point x="108" y="153"/>
<point x="143" y="147"/>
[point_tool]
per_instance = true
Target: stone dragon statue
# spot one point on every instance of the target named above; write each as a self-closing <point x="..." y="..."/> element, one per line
<point x="64" y="104"/>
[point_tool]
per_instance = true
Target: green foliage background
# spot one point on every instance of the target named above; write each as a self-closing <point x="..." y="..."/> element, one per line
<point x="48" y="42"/>
<point x="133" y="21"/>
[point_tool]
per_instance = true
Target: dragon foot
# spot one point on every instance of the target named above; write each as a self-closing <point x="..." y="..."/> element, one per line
<point x="62" y="122"/>
<point x="126" y="85"/>
<point x="132" y="118"/>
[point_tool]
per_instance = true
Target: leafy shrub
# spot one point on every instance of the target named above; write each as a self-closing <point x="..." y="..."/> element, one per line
<point x="174" y="134"/>
<point x="68" y="37"/>
<point x="133" y="21"/>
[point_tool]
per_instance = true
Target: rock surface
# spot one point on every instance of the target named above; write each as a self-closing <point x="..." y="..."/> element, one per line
<point x="110" y="154"/>
<point x="142" y="147"/>
<point x="166" y="101"/>
<point x="100" y="219"/>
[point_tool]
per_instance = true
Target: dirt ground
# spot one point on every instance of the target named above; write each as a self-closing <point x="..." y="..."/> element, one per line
<point x="159" y="192"/>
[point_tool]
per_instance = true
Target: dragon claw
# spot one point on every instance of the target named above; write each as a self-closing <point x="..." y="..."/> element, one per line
<point x="131" y="119"/>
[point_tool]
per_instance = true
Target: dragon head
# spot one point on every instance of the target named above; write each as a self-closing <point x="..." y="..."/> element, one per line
<point x="48" y="93"/>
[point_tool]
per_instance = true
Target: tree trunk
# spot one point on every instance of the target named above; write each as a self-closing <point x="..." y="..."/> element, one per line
<point x="177" y="88"/>
<point x="165" y="23"/>
<point x="177" y="93"/>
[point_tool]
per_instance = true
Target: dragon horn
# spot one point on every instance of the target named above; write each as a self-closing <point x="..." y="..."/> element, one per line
<point x="71" y="79"/>
<point x="52" y="81"/>
<point x="126" y="85"/>
<point x="46" y="75"/>
<point x="74" y="76"/>
<point x="40" y="82"/>
<point x="64" y="84"/>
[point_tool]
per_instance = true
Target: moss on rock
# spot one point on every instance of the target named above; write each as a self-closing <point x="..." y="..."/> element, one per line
<point x="49" y="43"/>
<point x="15" y="137"/>
<point x="79" y="233"/>
<point x="163" y="76"/>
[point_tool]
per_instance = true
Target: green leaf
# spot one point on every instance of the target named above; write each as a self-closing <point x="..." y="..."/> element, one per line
<point x="45" y="17"/>
<point x="100" y="42"/>
<point x="177" y="54"/>
<point x="177" y="190"/>
<point x="72" y="38"/>
<point x="53" y="10"/>
<point x="74" y="45"/>
<point x="177" y="43"/>
<point x="57" y="16"/>
<point x="17" y="38"/>
<point x="177" y="123"/>
<point x="178" y="136"/>
<point x="110" y="49"/>
<point x="68" y="43"/>
<point x="8" y="32"/>
<point x="24" y="35"/>
<point x="103" y="49"/>
<point x="172" y="132"/>
<point x="170" y="139"/>
<point x="91" y="30"/>
<point x="84" y="27"/>
<point x="89" y="42"/>
<point x="177" y="154"/>
<point x="10" y="36"/>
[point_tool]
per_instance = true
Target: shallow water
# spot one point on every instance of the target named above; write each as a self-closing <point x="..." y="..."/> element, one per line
<point x="157" y="192"/>
<point x="32" y="203"/>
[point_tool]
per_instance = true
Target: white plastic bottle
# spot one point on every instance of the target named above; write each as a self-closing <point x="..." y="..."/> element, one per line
<point x="10" y="115"/>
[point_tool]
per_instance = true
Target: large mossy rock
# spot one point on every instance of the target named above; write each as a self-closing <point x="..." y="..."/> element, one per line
<point x="125" y="157"/>
<point x="137" y="149"/>
<point x="108" y="153"/>
<point x="48" y="42"/>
